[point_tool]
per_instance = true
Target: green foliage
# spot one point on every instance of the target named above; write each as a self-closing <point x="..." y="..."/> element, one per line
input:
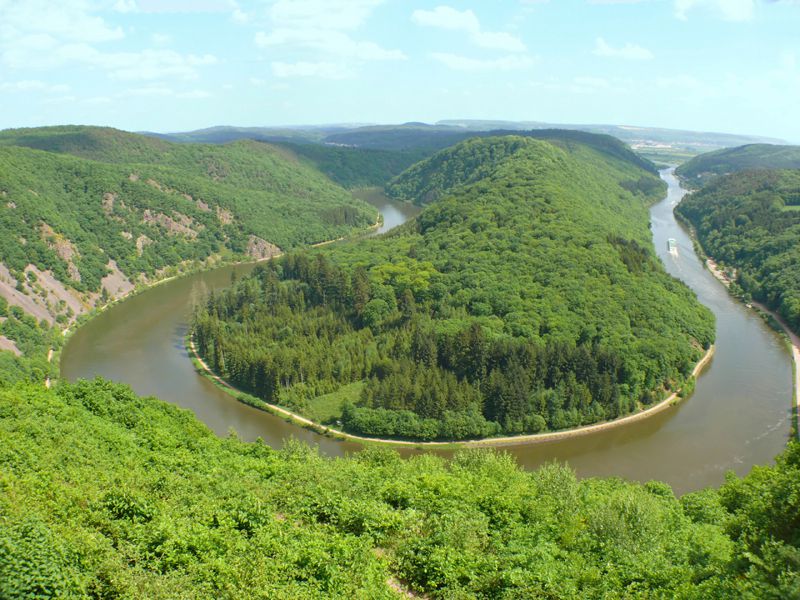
<point x="740" y="220"/>
<point x="104" y="494"/>
<point x="706" y="167"/>
<point x="32" y="561"/>
<point x="34" y="340"/>
<point x="526" y="298"/>
<point x="357" y="167"/>
<point x="181" y="202"/>
<point x="466" y="163"/>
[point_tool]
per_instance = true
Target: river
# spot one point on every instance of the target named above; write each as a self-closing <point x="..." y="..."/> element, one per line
<point x="739" y="415"/>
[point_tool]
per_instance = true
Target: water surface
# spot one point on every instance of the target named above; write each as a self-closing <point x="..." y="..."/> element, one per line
<point x="393" y="213"/>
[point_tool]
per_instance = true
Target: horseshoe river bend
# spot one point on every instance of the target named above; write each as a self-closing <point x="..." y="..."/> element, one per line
<point x="738" y="416"/>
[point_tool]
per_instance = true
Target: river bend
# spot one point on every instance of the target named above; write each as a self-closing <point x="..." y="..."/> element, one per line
<point x="739" y="415"/>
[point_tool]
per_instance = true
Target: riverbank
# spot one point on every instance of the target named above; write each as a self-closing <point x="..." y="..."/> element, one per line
<point x="794" y="339"/>
<point x="209" y="264"/>
<point x="525" y="439"/>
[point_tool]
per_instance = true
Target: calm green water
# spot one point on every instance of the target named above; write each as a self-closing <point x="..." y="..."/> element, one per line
<point x="739" y="415"/>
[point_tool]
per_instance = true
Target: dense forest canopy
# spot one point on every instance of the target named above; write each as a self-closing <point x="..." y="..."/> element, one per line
<point x="104" y="494"/>
<point x="87" y="213"/>
<point x="750" y="221"/>
<point x="357" y="167"/>
<point x="705" y="167"/>
<point x="527" y="297"/>
<point x="243" y="164"/>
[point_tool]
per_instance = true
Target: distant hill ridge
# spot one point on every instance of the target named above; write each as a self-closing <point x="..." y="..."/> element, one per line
<point x="702" y="168"/>
<point x="471" y="160"/>
<point x="324" y="133"/>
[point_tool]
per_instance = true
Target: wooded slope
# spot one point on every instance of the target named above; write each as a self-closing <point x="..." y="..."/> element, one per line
<point x="93" y="209"/>
<point x="750" y="222"/>
<point x="107" y="495"/>
<point x="705" y="167"/>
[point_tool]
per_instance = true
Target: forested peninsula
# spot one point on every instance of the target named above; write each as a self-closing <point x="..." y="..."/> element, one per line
<point x="526" y="297"/>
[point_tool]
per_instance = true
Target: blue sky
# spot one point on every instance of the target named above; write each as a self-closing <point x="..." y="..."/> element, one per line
<point x="171" y="65"/>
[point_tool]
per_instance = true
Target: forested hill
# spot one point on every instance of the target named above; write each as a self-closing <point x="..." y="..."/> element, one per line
<point x="243" y="163"/>
<point x="750" y="222"/>
<point x="704" y="167"/>
<point x="525" y="300"/>
<point x="474" y="160"/>
<point x="93" y="212"/>
<point x="357" y="167"/>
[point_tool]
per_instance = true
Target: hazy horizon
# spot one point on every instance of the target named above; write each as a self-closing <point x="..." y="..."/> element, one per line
<point x="445" y="121"/>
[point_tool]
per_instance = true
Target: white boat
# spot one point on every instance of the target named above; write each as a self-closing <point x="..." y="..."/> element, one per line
<point x="672" y="246"/>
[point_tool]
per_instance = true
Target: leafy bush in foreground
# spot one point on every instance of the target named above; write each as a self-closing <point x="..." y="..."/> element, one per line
<point x="105" y="494"/>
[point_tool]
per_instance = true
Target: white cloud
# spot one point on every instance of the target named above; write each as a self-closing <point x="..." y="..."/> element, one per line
<point x="316" y="38"/>
<point x="193" y="94"/>
<point x="593" y="82"/>
<point x="627" y="52"/>
<point x="323" y="70"/>
<point x="175" y="6"/>
<point x="457" y="62"/>
<point x="69" y="20"/>
<point x="161" y="39"/>
<point x="126" y="6"/>
<point x="147" y="64"/>
<point x="59" y="100"/>
<point x="150" y="91"/>
<point x="585" y="85"/>
<point x="730" y="10"/>
<point x="239" y="16"/>
<point x="41" y="35"/>
<point x="32" y="85"/>
<point x="446" y="17"/>
<point x="166" y="92"/>
<point x="498" y="40"/>
<point x="327" y="42"/>
<point x="323" y="14"/>
<point x="683" y="82"/>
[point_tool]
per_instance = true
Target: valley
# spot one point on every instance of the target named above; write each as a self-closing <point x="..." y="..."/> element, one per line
<point x="690" y="446"/>
<point x="114" y="490"/>
<point x="385" y="300"/>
